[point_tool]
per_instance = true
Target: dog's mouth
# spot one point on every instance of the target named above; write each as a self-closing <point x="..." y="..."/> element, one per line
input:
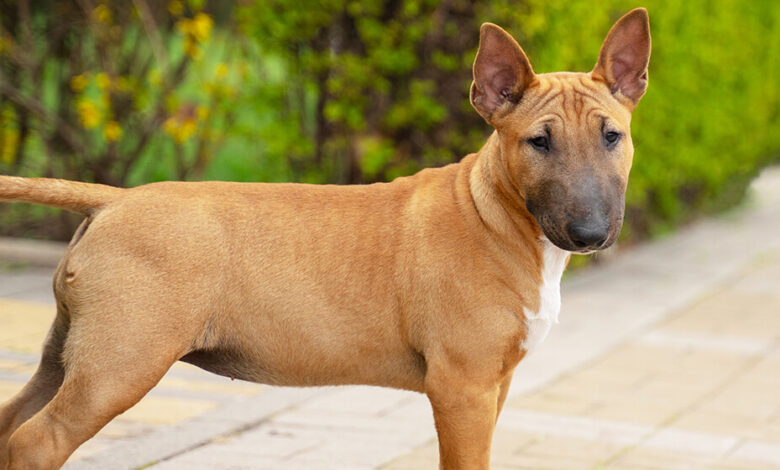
<point x="568" y="245"/>
<point x="585" y="245"/>
<point x="582" y="235"/>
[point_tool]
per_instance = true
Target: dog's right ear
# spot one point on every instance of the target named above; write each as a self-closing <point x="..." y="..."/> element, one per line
<point x="501" y="71"/>
<point x="624" y="57"/>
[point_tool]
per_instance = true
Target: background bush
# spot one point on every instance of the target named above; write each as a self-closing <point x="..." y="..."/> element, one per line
<point x="360" y="91"/>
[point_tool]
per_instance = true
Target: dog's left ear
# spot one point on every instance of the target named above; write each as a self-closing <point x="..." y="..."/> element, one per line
<point x="501" y="71"/>
<point x="625" y="55"/>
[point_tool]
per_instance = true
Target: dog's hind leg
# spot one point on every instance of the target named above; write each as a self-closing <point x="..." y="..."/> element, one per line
<point x="112" y="358"/>
<point x="40" y="389"/>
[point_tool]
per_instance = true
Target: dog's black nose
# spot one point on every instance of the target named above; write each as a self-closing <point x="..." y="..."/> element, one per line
<point x="587" y="236"/>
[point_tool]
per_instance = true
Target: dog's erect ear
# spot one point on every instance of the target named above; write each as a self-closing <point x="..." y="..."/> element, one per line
<point x="625" y="54"/>
<point x="501" y="71"/>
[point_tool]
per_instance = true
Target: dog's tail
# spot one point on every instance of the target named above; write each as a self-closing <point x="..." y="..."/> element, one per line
<point x="81" y="198"/>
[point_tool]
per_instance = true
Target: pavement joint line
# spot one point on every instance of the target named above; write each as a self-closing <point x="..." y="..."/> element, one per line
<point x="19" y="356"/>
<point x="582" y="427"/>
<point x="37" y="253"/>
<point x="390" y="408"/>
<point x="630" y="434"/>
<point x="218" y="396"/>
<point x="758" y="451"/>
<point x="11" y="376"/>
<point x="200" y="444"/>
<point x="708" y="342"/>
<point x="739" y="443"/>
<point x="235" y="417"/>
<point x="200" y="376"/>
<point x="8" y="295"/>
<point x="394" y="437"/>
<point x="665" y="425"/>
<point x="221" y="397"/>
<point x="775" y="416"/>
<point x="731" y="378"/>
<point x="189" y="378"/>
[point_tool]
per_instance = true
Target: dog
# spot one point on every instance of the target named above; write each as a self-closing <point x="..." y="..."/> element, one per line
<point x="439" y="282"/>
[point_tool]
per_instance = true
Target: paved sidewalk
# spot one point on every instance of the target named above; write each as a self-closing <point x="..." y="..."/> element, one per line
<point x="666" y="357"/>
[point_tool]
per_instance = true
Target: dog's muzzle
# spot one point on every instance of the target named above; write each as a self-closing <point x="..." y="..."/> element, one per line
<point x="587" y="235"/>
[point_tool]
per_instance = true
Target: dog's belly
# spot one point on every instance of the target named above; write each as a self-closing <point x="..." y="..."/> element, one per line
<point x="294" y="361"/>
<point x="227" y="363"/>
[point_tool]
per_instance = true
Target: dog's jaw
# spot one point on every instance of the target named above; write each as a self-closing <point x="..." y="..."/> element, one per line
<point x="538" y="323"/>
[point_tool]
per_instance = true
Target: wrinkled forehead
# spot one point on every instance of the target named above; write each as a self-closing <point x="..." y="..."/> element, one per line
<point x="572" y="100"/>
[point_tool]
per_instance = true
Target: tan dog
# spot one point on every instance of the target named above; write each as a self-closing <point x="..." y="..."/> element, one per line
<point x="438" y="283"/>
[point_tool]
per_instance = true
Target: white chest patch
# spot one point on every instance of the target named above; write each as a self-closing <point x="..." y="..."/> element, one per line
<point x="539" y="323"/>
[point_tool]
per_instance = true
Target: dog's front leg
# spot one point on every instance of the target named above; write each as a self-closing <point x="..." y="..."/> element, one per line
<point x="465" y="408"/>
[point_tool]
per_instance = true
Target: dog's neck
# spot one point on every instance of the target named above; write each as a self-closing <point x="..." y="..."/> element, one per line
<point x="499" y="204"/>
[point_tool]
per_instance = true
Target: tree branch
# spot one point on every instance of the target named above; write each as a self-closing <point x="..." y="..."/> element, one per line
<point x="153" y="32"/>
<point x="63" y="129"/>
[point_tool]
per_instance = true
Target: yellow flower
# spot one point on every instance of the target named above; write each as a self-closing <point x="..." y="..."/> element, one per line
<point x="187" y="129"/>
<point x="221" y="71"/>
<point x="170" y="125"/>
<point x="191" y="48"/>
<point x="184" y="25"/>
<point x="175" y="8"/>
<point x="6" y="43"/>
<point x="79" y="82"/>
<point x="196" y="30"/>
<point x="180" y="130"/>
<point x="103" y="81"/>
<point x="112" y="131"/>
<point x="89" y="113"/>
<point x="201" y="26"/>
<point x="102" y="14"/>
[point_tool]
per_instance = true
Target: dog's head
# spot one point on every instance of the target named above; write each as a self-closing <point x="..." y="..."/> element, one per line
<point x="565" y="140"/>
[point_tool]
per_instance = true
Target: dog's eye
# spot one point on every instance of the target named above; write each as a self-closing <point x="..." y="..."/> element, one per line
<point x="540" y="143"/>
<point x="611" y="138"/>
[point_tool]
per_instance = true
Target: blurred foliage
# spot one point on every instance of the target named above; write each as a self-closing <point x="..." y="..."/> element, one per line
<point x="361" y="91"/>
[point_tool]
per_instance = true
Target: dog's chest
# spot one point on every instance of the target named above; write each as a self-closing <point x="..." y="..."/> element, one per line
<point x="540" y="322"/>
